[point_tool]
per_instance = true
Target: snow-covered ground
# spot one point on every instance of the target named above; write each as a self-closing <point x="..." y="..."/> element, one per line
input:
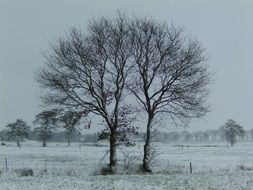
<point x="58" y="167"/>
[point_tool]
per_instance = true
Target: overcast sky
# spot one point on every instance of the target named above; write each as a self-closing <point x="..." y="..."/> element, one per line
<point x="225" y="28"/>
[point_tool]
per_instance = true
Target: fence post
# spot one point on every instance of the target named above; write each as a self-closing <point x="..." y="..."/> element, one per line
<point x="6" y="164"/>
<point x="190" y="167"/>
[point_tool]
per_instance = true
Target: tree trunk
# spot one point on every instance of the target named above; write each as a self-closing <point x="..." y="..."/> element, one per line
<point x="113" y="158"/>
<point x="147" y="146"/>
<point x="18" y="143"/>
<point x="44" y="142"/>
<point x="69" y="139"/>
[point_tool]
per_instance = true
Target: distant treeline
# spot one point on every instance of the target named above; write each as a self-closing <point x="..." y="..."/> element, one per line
<point x="59" y="136"/>
<point x="168" y="137"/>
<point x="198" y="136"/>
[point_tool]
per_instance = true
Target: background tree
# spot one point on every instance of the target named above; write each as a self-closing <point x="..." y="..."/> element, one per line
<point x="251" y="134"/>
<point x="231" y="131"/>
<point x="170" y="76"/>
<point x="47" y="121"/>
<point x="18" y="130"/>
<point x="4" y="135"/>
<point x="70" y="120"/>
<point x="88" y="71"/>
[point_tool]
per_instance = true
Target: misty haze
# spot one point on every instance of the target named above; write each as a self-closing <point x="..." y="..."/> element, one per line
<point x="126" y="95"/>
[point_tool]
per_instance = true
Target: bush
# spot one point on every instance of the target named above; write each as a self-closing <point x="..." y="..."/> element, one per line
<point x="245" y="168"/>
<point x="25" y="172"/>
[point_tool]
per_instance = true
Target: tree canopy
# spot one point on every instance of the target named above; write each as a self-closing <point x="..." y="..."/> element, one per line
<point x="231" y="131"/>
<point x="18" y="131"/>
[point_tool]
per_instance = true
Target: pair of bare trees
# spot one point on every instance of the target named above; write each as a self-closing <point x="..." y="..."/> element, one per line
<point x="51" y="120"/>
<point x="118" y="58"/>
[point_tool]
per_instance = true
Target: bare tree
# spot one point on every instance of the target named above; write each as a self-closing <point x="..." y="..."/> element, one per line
<point x="17" y="131"/>
<point x="170" y="77"/>
<point x="47" y="121"/>
<point x="89" y="72"/>
<point x="231" y="130"/>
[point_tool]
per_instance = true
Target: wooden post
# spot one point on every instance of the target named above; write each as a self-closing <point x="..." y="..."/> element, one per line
<point x="6" y="164"/>
<point x="190" y="167"/>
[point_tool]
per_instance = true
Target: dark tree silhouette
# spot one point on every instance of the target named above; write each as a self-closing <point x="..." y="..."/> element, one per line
<point x="88" y="71"/>
<point x="18" y="130"/>
<point x="47" y="121"/>
<point x="170" y="77"/>
<point x="231" y="130"/>
<point x="94" y="71"/>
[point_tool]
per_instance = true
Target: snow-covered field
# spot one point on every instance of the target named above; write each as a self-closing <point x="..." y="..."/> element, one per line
<point x="58" y="167"/>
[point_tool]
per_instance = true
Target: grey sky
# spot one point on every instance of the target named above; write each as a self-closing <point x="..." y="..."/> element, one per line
<point x="225" y="28"/>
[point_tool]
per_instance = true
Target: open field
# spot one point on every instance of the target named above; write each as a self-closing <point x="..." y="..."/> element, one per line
<point x="60" y="167"/>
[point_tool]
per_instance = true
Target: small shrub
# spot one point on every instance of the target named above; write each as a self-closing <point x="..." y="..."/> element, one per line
<point x="102" y="169"/>
<point x="24" y="172"/>
<point x="107" y="171"/>
<point x="70" y="172"/>
<point x="131" y="162"/>
<point x="245" y="168"/>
